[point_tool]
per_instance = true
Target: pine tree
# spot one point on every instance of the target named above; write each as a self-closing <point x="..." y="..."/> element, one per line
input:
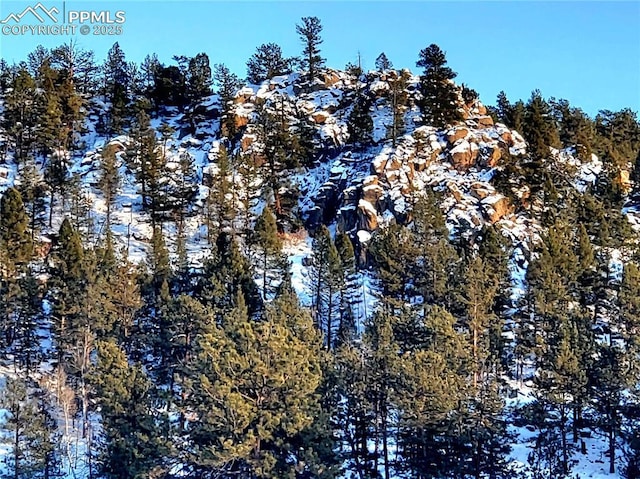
<point x="80" y="206"/>
<point x="347" y="329"/>
<point x="393" y="253"/>
<point x="159" y="265"/>
<point x="155" y="163"/>
<point x="56" y="176"/>
<point x="144" y="153"/>
<point x="538" y="128"/>
<point x="219" y="210"/>
<point x="434" y="385"/>
<point x="381" y="350"/>
<point x="198" y="79"/>
<point x="116" y="81"/>
<point x="398" y="96"/>
<point x="21" y="317"/>
<point x="133" y="444"/>
<point x="439" y="103"/>
<point x="561" y="379"/>
<point x="227" y="83"/>
<point x="355" y="412"/>
<point x="14" y="224"/>
<point x="327" y="278"/>
<point x="226" y="274"/>
<point x="33" y="190"/>
<point x="383" y="63"/>
<point x="253" y="391"/>
<point x="32" y="445"/>
<point x="184" y="189"/>
<point x="267" y="239"/>
<point x="615" y="369"/>
<point x="267" y="62"/>
<point x="309" y="32"/>
<point x="279" y="150"/>
<point x="77" y="65"/>
<point x="360" y="124"/>
<point x="67" y="290"/>
<point x="109" y="180"/>
<point x="21" y="113"/>
<point x="479" y="295"/>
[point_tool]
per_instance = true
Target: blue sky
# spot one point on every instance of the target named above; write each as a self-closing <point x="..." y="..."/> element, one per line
<point x="586" y="52"/>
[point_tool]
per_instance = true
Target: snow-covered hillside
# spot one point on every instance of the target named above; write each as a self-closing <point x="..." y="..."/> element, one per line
<point x="357" y="189"/>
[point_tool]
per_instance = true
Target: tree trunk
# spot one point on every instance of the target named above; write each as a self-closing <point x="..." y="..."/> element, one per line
<point x="612" y="444"/>
<point x="385" y="447"/>
<point x="329" y="319"/>
<point x="16" y="446"/>
<point x="563" y="435"/>
<point x="264" y="275"/>
<point x="51" y="209"/>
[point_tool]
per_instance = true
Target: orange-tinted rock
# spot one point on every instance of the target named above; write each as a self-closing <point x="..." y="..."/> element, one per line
<point x="461" y="156"/>
<point x="320" y="117"/>
<point x="624" y="180"/>
<point x="331" y="78"/>
<point x="367" y="216"/>
<point x="507" y="137"/>
<point x="485" y="121"/>
<point x="456" y="134"/>
<point x="247" y="141"/>
<point x="479" y="190"/>
<point x="497" y="208"/>
<point x="493" y="157"/>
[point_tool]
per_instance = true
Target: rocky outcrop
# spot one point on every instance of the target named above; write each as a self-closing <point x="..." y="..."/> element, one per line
<point x="624" y="180"/>
<point x="330" y="78"/>
<point x="484" y="121"/>
<point x="456" y="134"/>
<point x="496" y="207"/>
<point x="371" y="190"/>
<point x="320" y="117"/>
<point x="367" y="216"/>
<point x="464" y="154"/>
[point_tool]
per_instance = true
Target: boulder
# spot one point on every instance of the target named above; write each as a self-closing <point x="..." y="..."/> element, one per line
<point x="240" y="121"/>
<point x="395" y="163"/>
<point x="490" y="155"/>
<point x="370" y="180"/>
<point x="367" y="216"/>
<point x="320" y="117"/>
<point x="243" y="96"/>
<point x="455" y="191"/>
<point x="494" y="157"/>
<point x="436" y="149"/>
<point x="330" y="78"/>
<point x="379" y="164"/>
<point x="419" y="163"/>
<point x="484" y="121"/>
<point x="392" y="176"/>
<point x="507" y="137"/>
<point x="456" y="134"/>
<point x="347" y="217"/>
<point x="247" y="141"/>
<point x="475" y="151"/>
<point x="372" y="193"/>
<point x="624" y="180"/>
<point x="479" y="191"/>
<point x="482" y="110"/>
<point x="496" y="207"/>
<point x="461" y="155"/>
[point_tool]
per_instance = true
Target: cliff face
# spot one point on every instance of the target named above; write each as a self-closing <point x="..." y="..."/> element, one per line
<point x="364" y="186"/>
<point x="359" y="186"/>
